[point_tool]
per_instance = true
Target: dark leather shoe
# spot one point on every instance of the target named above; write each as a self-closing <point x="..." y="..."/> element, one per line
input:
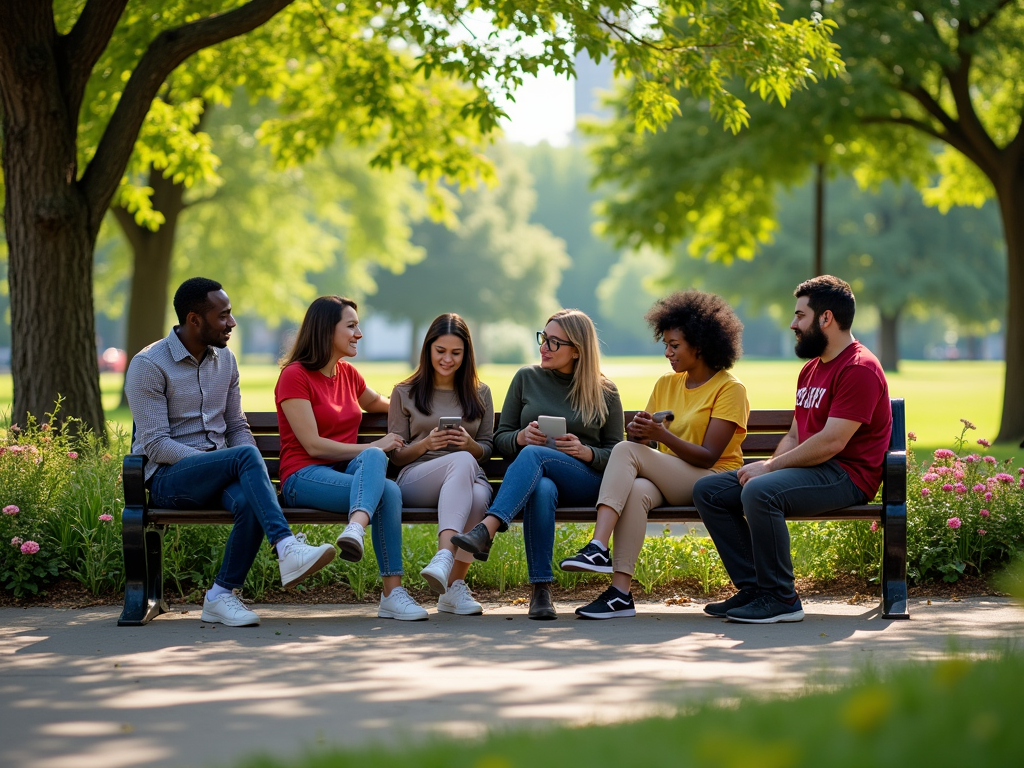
<point x="477" y="542"/>
<point x="541" y="607"/>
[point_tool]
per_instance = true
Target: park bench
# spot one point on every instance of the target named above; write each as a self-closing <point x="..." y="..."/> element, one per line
<point x="144" y="527"/>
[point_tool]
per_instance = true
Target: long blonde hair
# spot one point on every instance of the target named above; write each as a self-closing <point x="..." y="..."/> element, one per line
<point x="589" y="385"/>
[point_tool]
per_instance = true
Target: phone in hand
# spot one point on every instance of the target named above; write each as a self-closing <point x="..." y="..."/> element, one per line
<point x="552" y="427"/>
<point x="449" y="422"/>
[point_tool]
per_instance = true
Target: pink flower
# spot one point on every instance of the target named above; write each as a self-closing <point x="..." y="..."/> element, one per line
<point x="960" y="488"/>
<point x="990" y="459"/>
<point x="982" y="531"/>
<point x="988" y="496"/>
<point x="930" y="477"/>
<point x="911" y="437"/>
<point x="944" y="453"/>
<point x="953" y="522"/>
<point x="1020" y="471"/>
<point x="29" y="548"/>
<point x="978" y="488"/>
<point x="1002" y="477"/>
<point x="16" y="449"/>
<point x="947" y="487"/>
<point x="72" y="455"/>
<point x="943" y="470"/>
<point x="17" y="541"/>
<point x="984" y="512"/>
<point x="926" y="491"/>
<point x="106" y="518"/>
<point x="984" y="443"/>
<point x="971" y="458"/>
<point x="874" y="526"/>
<point x="958" y="474"/>
<point x="10" y="509"/>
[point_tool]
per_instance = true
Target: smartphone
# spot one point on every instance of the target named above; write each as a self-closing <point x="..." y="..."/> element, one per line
<point x="449" y="422"/>
<point x="552" y="426"/>
<point x="662" y="416"/>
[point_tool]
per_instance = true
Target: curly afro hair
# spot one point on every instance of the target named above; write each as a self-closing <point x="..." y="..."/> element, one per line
<point x="706" y="321"/>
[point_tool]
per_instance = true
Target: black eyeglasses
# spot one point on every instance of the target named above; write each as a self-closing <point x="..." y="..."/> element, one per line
<point x="553" y="343"/>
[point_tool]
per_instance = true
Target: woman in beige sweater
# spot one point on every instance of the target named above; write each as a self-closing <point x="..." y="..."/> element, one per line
<point x="441" y="467"/>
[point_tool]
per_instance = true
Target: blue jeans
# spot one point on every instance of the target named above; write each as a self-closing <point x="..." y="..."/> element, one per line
<point x="235" y="479"/>
<point x="533" y="482"/>
<point x="359" y="486"/>
<point x="748" y="522"/>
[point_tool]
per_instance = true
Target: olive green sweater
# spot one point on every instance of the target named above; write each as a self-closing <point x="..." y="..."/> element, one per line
<point x="537" y="391"/>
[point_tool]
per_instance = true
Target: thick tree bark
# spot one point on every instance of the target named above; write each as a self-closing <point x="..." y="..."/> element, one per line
<point x="1011" y="205"/>
<point x="888" y="341"/>
<point x="151" y="259"/>
<point x="51" y="216"/>
<point x="46" y="218"/>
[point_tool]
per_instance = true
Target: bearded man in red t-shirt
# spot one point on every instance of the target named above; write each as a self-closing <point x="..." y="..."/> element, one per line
<point x="831" y="458"/>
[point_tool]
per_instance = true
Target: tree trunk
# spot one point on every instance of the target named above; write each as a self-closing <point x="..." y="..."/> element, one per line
<point x="1011" y="206"/>
<point x="151" y="274"/>
<point x="414" y="343"/>
<point x="888" y="341"/>
<point x="819" y="220"/>
<point x="49" y="235"/>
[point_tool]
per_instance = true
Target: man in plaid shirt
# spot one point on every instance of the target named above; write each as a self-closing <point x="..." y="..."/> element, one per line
<point x="184" y="397"/>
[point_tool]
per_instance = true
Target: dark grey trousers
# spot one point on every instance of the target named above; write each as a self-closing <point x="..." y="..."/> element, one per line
<point x="748" y="522"/>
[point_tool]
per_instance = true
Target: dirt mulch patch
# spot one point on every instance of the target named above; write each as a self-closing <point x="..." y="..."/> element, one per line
<point x="67" y="593"/>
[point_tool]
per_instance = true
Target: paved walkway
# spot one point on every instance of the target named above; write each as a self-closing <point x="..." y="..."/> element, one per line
<point x="76" y="691"/>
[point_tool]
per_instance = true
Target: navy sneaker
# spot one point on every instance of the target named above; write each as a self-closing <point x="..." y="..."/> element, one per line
<point x="591" y="558"/>
<point x="767" y="609"/>
<point x="612" y="604"/>
<point x="741" y="598"/>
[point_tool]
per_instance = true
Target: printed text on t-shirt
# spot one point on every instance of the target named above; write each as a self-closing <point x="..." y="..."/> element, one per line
<point x="809" y="397"/>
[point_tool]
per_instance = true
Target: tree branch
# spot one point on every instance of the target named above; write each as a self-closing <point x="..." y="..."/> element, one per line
<point x="81" y="48"/>
<point x="966" y="29"/>
<point x="971" y="126"/>
<point x="132" y="231"/>
<point x="169" y="49"/>
<point x="919" y="125"/>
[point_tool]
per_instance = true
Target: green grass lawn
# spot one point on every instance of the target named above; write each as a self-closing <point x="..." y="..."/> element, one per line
<point x="938" y="394"/>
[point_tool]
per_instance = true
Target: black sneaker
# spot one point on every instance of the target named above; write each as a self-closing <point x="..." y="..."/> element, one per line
<point x="612" y="604"/>
<point x="591" y="558"/>
<point x="767" y="609"/>
<point x="741" y="598"/>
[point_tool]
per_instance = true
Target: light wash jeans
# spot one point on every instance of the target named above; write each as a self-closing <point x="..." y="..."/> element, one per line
<point x="235" y="479"/>
<point x="536" y="481"/>
<point x="357" y="485"/>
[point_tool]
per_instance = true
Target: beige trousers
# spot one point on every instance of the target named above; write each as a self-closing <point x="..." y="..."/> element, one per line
<point x="456" y="485"/>
<point x="636" y="479"/>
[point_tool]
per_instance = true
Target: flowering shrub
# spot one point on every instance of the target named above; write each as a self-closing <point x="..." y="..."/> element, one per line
<point x="56" y="484"/>
<point x="965" y="513"/>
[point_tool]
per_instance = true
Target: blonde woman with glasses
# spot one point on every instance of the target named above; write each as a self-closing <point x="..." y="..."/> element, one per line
<point x="551" y="469"/>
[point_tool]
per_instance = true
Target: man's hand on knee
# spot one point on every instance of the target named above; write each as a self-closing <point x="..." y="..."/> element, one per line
<point x="748" y="472"/>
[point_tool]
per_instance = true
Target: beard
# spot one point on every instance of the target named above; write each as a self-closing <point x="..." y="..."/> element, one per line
<point x="210" y="337"/>
<point x="812" y="342"/>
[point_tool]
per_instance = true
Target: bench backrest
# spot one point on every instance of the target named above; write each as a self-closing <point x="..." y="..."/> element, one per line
<point x="765" y="430"/>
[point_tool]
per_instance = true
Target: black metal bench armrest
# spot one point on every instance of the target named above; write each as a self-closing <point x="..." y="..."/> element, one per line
<point x="133" y="474"/>
<point x="894" y="478"/>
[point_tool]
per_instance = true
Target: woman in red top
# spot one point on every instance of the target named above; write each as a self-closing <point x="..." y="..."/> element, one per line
<point x="320" y="402"/>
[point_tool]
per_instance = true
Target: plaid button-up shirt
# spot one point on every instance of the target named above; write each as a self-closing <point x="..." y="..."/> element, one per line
<point x="182" y="406"/>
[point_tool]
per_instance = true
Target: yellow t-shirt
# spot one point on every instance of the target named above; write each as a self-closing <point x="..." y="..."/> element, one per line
<point x="723" y="396"/>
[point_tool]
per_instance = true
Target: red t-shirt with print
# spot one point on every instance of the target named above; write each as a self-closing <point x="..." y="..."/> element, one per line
<point x="335" y="403"/>
<point x="850" y="386"/>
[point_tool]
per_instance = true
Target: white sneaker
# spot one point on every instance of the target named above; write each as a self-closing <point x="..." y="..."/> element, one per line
<point x="459" y="600"/>
<point x="350" y="542"/>
<point x="230" y="611"/>
<point x="438" y="570"/>
<point x="301" y="559"/>
<point x="400" y="605"/>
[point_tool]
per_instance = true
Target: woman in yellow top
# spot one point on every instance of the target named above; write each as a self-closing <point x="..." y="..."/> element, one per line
<point x="703" y="339"/>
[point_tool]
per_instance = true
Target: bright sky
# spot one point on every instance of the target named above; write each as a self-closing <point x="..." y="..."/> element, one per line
<point x="544" y="109"/>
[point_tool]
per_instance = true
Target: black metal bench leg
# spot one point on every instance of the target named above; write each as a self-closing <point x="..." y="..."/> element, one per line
<point x="143" y="569"/>
<point x="894" y="562"/>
